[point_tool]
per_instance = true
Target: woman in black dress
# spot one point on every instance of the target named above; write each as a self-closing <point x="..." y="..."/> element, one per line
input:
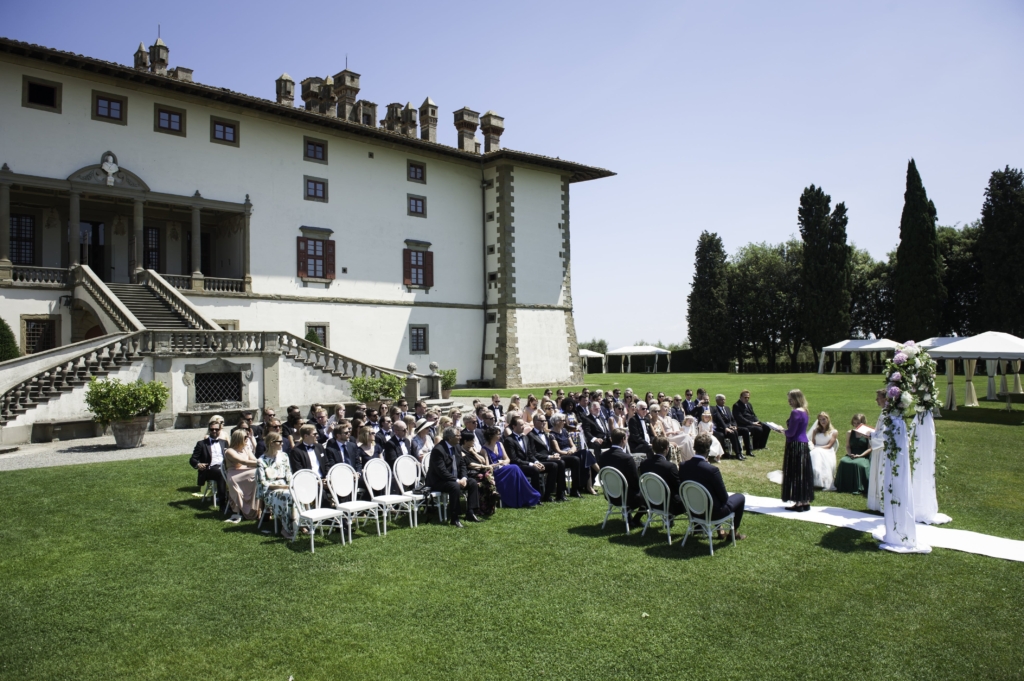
<point x="797" y="473"/>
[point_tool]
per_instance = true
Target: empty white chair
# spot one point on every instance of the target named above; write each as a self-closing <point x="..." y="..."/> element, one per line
<point x="341" y="480"/>
<point x="656" y="494"/>
<point x="377" y="476"/>
<point x="613" y="484"/>
<point x="697" y="501"/>
<point x="407" y="475"/>
<point x="306" y="492"/>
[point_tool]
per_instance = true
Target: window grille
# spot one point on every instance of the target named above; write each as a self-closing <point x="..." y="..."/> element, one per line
<point x="23" y="239"/>
<point x="216" y="388"/>
<point x="40" y="335"/>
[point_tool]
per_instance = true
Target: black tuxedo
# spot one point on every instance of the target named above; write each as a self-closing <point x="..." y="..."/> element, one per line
<point x="519" y="453"/>
<point x="723" y="419"/>
<point x="699" y="470"/>
<point x="637" y="428"/>
<point x="668" y="472"/>
<point x="498" y="411"/>
<point x="596" y="429"/>
<point x="747" y="419"/>
<point x="393" y="449"/>
<point x="257" y="430"/>
<point x="344" y="452"/>
<point x="444" y="470"/>
<point x="201" y="453"/>
<point x="692" y="408"/>
<point x="544" y="453"/>
<point x="299" y="460"/>
<point x="323" y="433"/>
<point x="382" y="437"/>
<point x="618" y="459"/>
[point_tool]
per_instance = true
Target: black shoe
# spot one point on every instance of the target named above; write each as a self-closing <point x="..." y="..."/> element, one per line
<point x="471" y="518"/>
<point x="560" y="498"/>
<point x="545" y="500"/>
<point x="457" y="523"/>
<point x="740" y="457"/>
<point x="750" y="453"/>
<point x="636" y="518"/>
<point x="575" y="495"/>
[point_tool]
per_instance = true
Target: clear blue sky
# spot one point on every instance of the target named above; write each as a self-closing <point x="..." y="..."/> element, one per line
<point x="714" y="115"/>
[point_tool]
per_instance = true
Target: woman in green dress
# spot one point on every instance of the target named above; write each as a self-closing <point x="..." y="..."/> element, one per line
<point x="273" y="477"/>
<point x="852" y="472"/>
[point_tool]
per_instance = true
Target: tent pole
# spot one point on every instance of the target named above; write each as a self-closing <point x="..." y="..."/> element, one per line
<point x="821" y="364"/>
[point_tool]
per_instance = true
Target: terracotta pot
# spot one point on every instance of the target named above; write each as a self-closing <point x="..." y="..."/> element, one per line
<point x="445" y="394"/>
<point x="128" y="434"/>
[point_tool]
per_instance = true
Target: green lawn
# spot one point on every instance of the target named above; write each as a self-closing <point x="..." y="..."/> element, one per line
<point x="114" y="571"/>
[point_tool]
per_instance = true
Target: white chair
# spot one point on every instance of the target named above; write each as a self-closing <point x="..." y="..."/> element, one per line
<point x="697" y="500"/>
<point x="407" y="475"/>
<point x="306" y="492"/>
<point x="341" y="480"/>
<point x="377" y="476"/>
<point x="437" y="499"/>
<point x="658" y="498"/>
<point x="613" y="484"/>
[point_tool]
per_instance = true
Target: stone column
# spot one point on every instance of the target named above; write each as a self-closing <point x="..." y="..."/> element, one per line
<point x="197" y="252"/>
<point x="74" y="230"/>
<point x="246" y="245"/>
<point x="140" y="242"/>
<point x="6" y="268"/>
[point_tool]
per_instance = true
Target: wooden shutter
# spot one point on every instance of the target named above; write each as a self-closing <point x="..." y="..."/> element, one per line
<point x="428" y="268"/>
<point x="328" y="259"/>
<point x="301" y="250"/>
<point x="407" y="266"/>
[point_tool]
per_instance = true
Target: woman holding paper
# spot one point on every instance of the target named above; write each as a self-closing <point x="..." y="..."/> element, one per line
<point x="797" y="475"/>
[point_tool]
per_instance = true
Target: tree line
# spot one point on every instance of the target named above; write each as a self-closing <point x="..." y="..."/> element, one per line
<point x="772" y="303"/>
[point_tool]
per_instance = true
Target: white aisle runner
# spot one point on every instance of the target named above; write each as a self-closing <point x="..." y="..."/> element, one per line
<point x="958" y="540"/>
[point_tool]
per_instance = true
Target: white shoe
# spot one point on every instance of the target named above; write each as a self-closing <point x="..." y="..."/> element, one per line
<point x="236" y="518"/>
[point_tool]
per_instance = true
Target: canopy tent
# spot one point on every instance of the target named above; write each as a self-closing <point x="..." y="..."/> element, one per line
<point x="587" y="355"/>
<point x="991" y="346"/>
<point x="640" y="350"/>
<point x="856" y="345"/>
<point x="938" y="341"/>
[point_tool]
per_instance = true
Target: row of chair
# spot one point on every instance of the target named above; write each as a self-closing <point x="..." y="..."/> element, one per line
<point x="655" y="491"/>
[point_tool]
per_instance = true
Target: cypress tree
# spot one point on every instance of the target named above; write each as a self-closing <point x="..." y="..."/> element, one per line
<point x="1001" y="253"/>
<point x="827" y="270"/>
<point x="707" y="316"/>
<point x="8" y="346"/>
<point x="917" y="282"/>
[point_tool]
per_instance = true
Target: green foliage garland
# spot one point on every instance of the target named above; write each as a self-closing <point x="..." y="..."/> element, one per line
<point x="111" y="400"/>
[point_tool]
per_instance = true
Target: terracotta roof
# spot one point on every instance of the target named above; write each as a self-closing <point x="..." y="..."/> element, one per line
<point x="578" y="172"/>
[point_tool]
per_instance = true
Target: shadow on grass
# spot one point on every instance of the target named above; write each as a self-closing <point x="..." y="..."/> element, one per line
<point x="655" y="542"/>
<point x="984" y="415"/>
<point x="845" y="540"/>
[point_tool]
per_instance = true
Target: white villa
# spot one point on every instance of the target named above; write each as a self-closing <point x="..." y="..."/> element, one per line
<point x="212" y="230"/>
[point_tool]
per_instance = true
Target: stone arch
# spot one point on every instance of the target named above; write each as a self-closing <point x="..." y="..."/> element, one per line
<point x="85" y="323"/>
<point x="107" y="172"/>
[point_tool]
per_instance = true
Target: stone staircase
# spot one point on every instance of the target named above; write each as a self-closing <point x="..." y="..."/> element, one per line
<point x="149" y="308"/>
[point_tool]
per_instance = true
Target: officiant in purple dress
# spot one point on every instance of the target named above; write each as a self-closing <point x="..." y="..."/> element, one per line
<point x="797" y="473"/>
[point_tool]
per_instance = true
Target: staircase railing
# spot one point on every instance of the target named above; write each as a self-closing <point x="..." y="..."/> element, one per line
<point x="179" y="303"/>
<point x="209" y="341"/>
<point x="327" y="360"/>
<point x="52" y="276"/>
<point x="124" y="319"/>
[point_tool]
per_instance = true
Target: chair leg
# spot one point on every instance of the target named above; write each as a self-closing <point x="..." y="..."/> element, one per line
<point x="646" y="524"/>
<point x="625" y="518"/>
<point x="711" y="542"/>
<point x="732" y="528"/>
<point x="606" y="516"/>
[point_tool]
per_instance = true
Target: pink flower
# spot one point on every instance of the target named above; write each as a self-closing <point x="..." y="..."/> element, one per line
<point x="896" y="377"/>
<point x="900" y="358"/>
<point x="894" y="393"/>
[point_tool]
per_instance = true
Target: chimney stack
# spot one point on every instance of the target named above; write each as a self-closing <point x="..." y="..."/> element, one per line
<point x="365" y="113"/>
<point x="492" y="125"/>
<point x="158" y="55"/>
<point x="466" y="122"/>
<point x="285" y="90"/>
<point x="409" y="120"/>
<point x="311" y="93"/>
<point x="428" y="120"/>
<point x="346" y="87"/>
<point x="393" y="118"/>
<point x="142" y="58"/>
<point x="328" y="99"/>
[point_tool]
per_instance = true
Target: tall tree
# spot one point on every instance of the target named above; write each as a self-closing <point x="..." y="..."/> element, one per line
<point x="1001" y="249"/>
<point x="825" y="299"/>
<point x="917" y="282"/>
<point x="871" y="300"/>
<point x="596" y="345"/>
<point x="791" y="328"/>
<point x="706" y="317"/>
<point x="961" y="277"/>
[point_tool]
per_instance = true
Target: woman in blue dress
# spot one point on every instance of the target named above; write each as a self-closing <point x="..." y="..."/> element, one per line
<point x="513" y="487"/>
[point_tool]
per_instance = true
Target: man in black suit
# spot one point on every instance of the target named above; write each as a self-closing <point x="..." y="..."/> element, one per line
<point x="489" y="421"/>
<point x="323" y="431"/>
<point x="658" y="464"/>
<point x="308" y="454"/>
<point x="617" y="458"/>
<point x="399" y="445"/>
<point x="446" y="472"/>
<point x="496" y="409"/>
<point x="290" y="428"/>
<point x="595" y="430"/>
<point x="385" y="432"/>
<point x="726" y="429"/>
<point x="208" y="460"/>
<point x="640" y="434"/>
<point x="690" y="406"/>
<point x="341" y="449"/>
<point x="538" y="443"/>
<point x="518" y="452"/>
<point x="699" y="470"/>
<point x="747" y="421"/>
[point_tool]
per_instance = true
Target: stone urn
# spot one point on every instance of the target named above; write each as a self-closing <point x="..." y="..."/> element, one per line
<point x="128" y="434"/>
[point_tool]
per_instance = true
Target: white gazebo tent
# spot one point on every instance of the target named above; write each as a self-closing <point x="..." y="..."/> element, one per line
<point x="590" y="354"/>
<point x="644" y="350"/>
<point x="991" y="346"/>
<point x="855" y="345"/>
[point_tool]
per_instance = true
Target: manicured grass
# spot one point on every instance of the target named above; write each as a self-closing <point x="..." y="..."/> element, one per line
<point x="115" y="571"/>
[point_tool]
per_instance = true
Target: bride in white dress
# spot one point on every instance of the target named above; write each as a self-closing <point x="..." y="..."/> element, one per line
<point x="706" y="426"/>
<point x="823" y="452"/>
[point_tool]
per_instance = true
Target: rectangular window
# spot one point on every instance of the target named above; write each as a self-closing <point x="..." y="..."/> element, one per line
<point x="23" y="239"/>
<point x="224" y="131"/>
<point x="40" y="335"/>
<point x="218" y="388"/>
<point x="417" y="206"/>
<point x="367" y="120"/>
<point x="151" y="254"/>
<point x="109" y="108"/>
<point x="490" y="250"/>
<point x="490" y="217"/>
<point x="321" y="332"/>
<point x="417" y="268"/>
<point x="169" y="120"/>
<point x="492" y="317"/>
<point x="316" y="189"/>
<point x="315" y="258"/>
<point x="37" y="93"/>
<point x="417" y="172"/>
<point x="418" y="341"/>
<point x="314" y="150"/>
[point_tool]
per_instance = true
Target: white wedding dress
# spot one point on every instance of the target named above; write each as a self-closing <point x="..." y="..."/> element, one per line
<point x="877" y="470"/>
<point x="823" y="461"/>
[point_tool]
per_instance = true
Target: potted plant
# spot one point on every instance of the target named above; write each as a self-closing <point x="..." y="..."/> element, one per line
<point x="447" y="382"/>
<point x="125" y="407"/>
<point x="371" y="391"/>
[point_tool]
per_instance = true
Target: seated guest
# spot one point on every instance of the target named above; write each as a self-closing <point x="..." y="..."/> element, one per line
<point x="399" y="445"/>
<point x="268" y="416"/>
<point x="640" y="435"/>
<point x="658" y="463"/>
<point x="699" y="470"/>
<point x="705" y="425"/>
<point x="323" y="431"/>
<point x="455" y="415"/>
<point x="420" y="409"/>
<point x="341" y="449"/>
<point x="311" y="416"/>
<point x="422" y="442"/>
<point x="750" y="428"/>
<point x="208" y="460"/>
<point x="478" y="467"/>
<point x="446" y="473"/>
<point x="823" y="451"/>
<point x="368" y="448"/>
<point x="618" y="418"/>
<point x="678" y="409"/>
<point x="241" y="472"/>
<point x="337" y="415"/>
<point x="511" y="483"/>
<point x="273" y="427"/>
<point x="488" y="421"/>
<point x="853" y="469"/>
<point x="496" y="409"/>
<point x="273" y="476"/>
<point x="357" y="423"/>
<point x="545" y="450"/>
<point x="518" y="450"/>
<point x="290" y="428"/>
<point x="308" y="454"/>
<point x="470" y="425"/>
<point x="532" y="405"/>
<point x="223" y="433"/>
<point x="513" y="403"/>
<point x="726" y="429"/>
<point x="565" y="446"/>
<point x="690" y="406"/>
<point x="654" y="420"/>
<point x="403" y="407"/>
<point x="617" y="458"/>
<point x="384" y="433"/>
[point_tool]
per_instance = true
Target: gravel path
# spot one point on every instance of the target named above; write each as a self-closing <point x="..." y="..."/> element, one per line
<point x="98" y="449"/>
